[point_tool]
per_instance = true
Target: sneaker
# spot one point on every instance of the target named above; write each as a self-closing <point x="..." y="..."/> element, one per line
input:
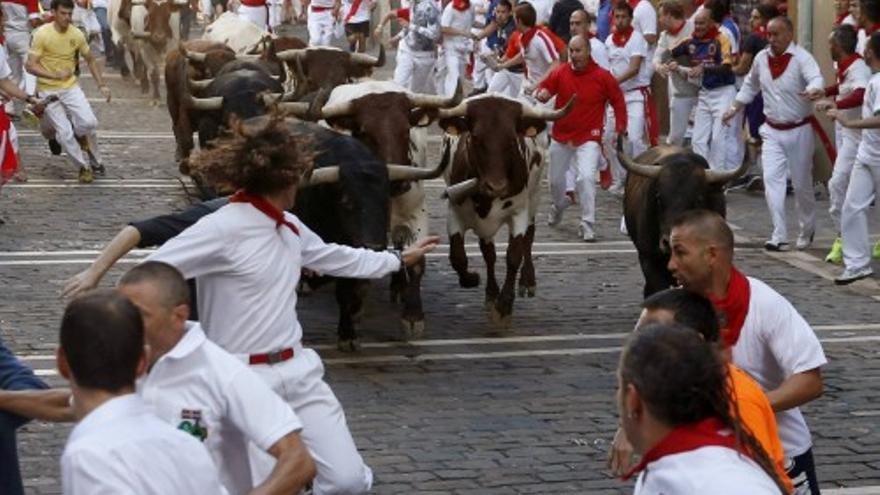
<point x="851" y="275"/>
<point x="555" y="216"/>
<point x="756" y="184"/>
<point x="97" y="167"/>
<point x="585" y="231"/>
<point x="836" y="254"/>
<point x="804" y="241"/>
<point x="775" y="246"/>
<point x="54" y="147"/>
<point x="86" y="176"/>
<point x="616" y="190"/>
<point x="876" y="252"/>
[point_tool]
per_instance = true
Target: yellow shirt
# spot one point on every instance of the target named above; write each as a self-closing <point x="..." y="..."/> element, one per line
<point x="58" y="52"/>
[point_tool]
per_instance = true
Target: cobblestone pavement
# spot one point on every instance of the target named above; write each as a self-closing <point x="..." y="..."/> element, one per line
<point x="467" y="409"/>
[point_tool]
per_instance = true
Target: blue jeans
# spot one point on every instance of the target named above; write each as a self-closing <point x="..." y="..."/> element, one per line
<point x="13" y="376"/>
<point x="106" y="34"/>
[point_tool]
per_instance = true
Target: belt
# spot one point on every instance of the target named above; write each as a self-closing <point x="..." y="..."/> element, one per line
<point x="271" y="358"/>
<point x="316" y="8"/>
<point x="817" y="128"/>
<point x="786" y="126"/>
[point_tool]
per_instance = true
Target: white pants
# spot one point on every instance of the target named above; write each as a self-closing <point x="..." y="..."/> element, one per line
<point x="711" y="137"/>
<point x="67" y="118"/>
<point x="680" y="110"/>
<point x="482" y="73"/>
<point x="506" y="83"/>
<point x="864" y="182"/>
<point x="17" y="46"/>
<point x="783" y="153"/>
<point x="584" y="160"/>
<point x="276" y="13"/>
<point x="846" y="156"/>
<point x="635" y="145"/>
<point x="320" y="26"/>
<point x="414" y="70"/>
<point x="300" y="382"/>
<point x="455" y="57"/>
<point x="257" y="15"/>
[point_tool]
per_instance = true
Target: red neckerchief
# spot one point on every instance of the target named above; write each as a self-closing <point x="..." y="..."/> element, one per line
<point x="711" y="34"/>
<point x="761" y="32"/>
<point x="734" y="307"/>
<point x="526" y="37"/>
<point x="871" y="30"/>
<point x="460" y="5"/>
<point x="403" y="14"/>
<point x="264" y="206"/>
<point x="634" y="3"/>
<point x="778" y="64"/>
<point x="844" y="64"/>
<point x="620" y="39"/>
<point x="709" y="432"/>
<point x="674" y="32"/>
<point x="840" y="18"/>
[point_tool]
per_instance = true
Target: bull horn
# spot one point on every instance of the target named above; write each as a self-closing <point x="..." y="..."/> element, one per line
<point x="436" y="101"/>
<point x="337" y="110"/>
<point x="200" y="84"/>
<point x="291" y="54"/>
<point x="650" y="171"/>
<point x="296" y="108"/>
<point x="410" y="172"/>
<point x="459" y="110"/>
<point x="272" y="98"/>
<point x="247" y="57"/>
<point x="212" y="103"/>
<point x="324" y="175"/>
<point x="459" y="192"/>
<point x="369" y="60"/>
<point x="547" y="114"/>
<point x="196" y="56"/>
<point x="722" y="177"/>
<point x="140" y="35"/>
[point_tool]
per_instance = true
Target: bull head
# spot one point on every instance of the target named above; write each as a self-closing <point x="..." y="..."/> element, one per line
<point x="528" y="111"/>
<point x="714" y="177"/>
<point x="330" y="175"/>
<point x="417" y="100"/>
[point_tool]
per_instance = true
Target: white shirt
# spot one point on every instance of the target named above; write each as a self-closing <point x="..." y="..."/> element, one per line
<point x="538" y="56"/>
<point x="462" y="20"/>
<point x="599" y="54"/>
<point x="5" y="70"/>
<point x="199" y="386"/>
<point x="849" y="19"/>
<point x="247" y="271"/>
<point x="122" y="447"/>
<point x="16" y="16"/>
<point x="856" y="76"/>
<point x="715" y="470"/>
<point x="678" y="84"/>
<point x="621" y="55"/>
<point x="645" y="18"/>
<point x="361" y="15"/>
<point x="869" y="147"/>
<point x="783" y="103"/>
<point x="774" y="344"/>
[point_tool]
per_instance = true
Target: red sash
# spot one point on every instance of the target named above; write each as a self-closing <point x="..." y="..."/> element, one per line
<point x="265" y="207"/>
<point x="734" y="307"/>
<point x="778" y="64"/>
<point x="9" y="163"/>
<point x="652" y="125"/>
<point x="354" y="8"/>
<point x="709" y="432"/>
<point x="620" y="38"/>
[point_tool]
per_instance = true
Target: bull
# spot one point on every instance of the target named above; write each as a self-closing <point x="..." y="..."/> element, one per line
<point x="317" y="68"/>
<point x="497" y="165"/>
<point x="662" y="183"/>
<point x="384" y="116"/>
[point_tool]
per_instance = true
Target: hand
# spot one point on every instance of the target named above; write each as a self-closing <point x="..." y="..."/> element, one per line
<point x="813" y="94"/>
<point x="834" y="114"/>
<point x="725" y="119"/>
<point x="105" y="92"/>
<point x="81" y="282"/>
<point x="696" y="71"/>
<point x="621" y="455"/>
<point x="663" y="70"/>
<point x="411" y="255"/>
<point x="672" y="66"/>
<point x="824" y="105"/>
<point x="542" y="95"/>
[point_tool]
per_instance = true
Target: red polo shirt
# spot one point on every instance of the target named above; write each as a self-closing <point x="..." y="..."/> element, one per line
<point x="595" y="87"/>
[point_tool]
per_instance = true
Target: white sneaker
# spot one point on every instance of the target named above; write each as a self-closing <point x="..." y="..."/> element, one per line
<point x="555" y="216"/>
<point x="804" y="241"/>
<point x="616" y="190"/>
<point x="585" y="231"/>
<point x="623" y="226"/>
<point x="851" y="275"/>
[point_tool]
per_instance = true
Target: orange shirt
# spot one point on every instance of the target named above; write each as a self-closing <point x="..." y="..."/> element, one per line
<point x="757" y="415"/>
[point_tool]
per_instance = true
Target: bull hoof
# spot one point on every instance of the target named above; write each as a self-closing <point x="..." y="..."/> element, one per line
<point x="499" y="319"/>
<point x="527" y="290"/>
<point x="411" y="330"/>
<point x="469" y="280"/>
<point x="348" y="345"/>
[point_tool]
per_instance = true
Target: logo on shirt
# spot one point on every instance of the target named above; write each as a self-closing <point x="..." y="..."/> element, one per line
<point x="191" y="423"/>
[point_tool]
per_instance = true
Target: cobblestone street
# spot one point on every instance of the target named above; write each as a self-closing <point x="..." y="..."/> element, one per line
<point x="468" y="409"/>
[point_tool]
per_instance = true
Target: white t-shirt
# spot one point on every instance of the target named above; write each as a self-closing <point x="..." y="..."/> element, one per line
<point x="645" y="18"/>
<point x="462" y="20"/>
<point x="856" y="76"/>
<point x="362" y="14"/>
<point x="247" y="270"/>
<point x="200" y="388"/>
<point x="774" y="344"/>
<point x="539" y="55"/>
<point x="599" y="54"/>
<point x="122" y="447"/>
<point x="5" y="70"/>
<point x="620" y="56"/>
<point x="869" y="147"/>
<point x="715" y="470"/>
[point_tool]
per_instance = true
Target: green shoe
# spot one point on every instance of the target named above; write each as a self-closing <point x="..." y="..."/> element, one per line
<point x="876" y="252"/>
<point x="836" y="254"/>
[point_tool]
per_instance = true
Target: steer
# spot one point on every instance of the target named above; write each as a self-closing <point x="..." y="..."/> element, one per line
<point x="382" y="115"/>
<point x="317" y="68"/>
<point x="662" y="183"/>
<point x="497" y="165"/>
<point x="151" y="27"/>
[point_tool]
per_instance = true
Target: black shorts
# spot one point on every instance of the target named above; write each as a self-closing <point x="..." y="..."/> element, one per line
<point x="358" y="27"/>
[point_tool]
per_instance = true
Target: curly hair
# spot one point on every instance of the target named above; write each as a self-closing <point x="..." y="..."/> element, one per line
<point x="262" y="155"/>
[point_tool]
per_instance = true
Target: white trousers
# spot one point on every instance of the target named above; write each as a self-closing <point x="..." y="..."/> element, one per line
<point x="506" y="83"/>
<point x="67" y="118"/>
<point x="864" y="182"/>
<point x="636" y="143"/>
<point x="847" y="149"/>
<point x="783" y="153"/>
<point x="415" y="70"/>
<point x="256" y="15"/>
<point x="320" y="26"/>
<point x="482" y="73"/>
<point x="680" y="110"/>
<point x="584" y="161"/>
<point x="17" y="45"/>
<point x="276" y="13"/>
<point x="300" y="382"/>
<point x="711" y="137"/>
<point x="455" y="58"/>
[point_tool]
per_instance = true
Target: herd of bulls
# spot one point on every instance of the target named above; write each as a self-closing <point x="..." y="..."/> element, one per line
<point x="371" y="154"/>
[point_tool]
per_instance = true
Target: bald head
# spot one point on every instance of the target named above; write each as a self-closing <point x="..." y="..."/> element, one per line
<point x="579" y="23"/>
<point x="579" y="52"/>
<point x="702" y="22"/>
<point x="708" y="227"/>
<point x="780" y="33"/>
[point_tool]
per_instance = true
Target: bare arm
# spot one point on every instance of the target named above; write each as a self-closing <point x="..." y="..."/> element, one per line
<point x="511" y="62"/>
<point x="294" y="469"/>
<point x="45" y="405"/>
<point x="126" y="240"/>
<point x="797" y="390"/>
<point x="632" y="71"/>
<point x="650" y="38"/>
<point x="9" y="88"/>
<point x="743" y="65"/>
<point x="869" y="123"/>
<point x="96" y="73"/>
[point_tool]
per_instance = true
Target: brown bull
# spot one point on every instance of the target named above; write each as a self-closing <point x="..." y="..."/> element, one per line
<point x="317" y="68"/>
<point x="152" y="42"/>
